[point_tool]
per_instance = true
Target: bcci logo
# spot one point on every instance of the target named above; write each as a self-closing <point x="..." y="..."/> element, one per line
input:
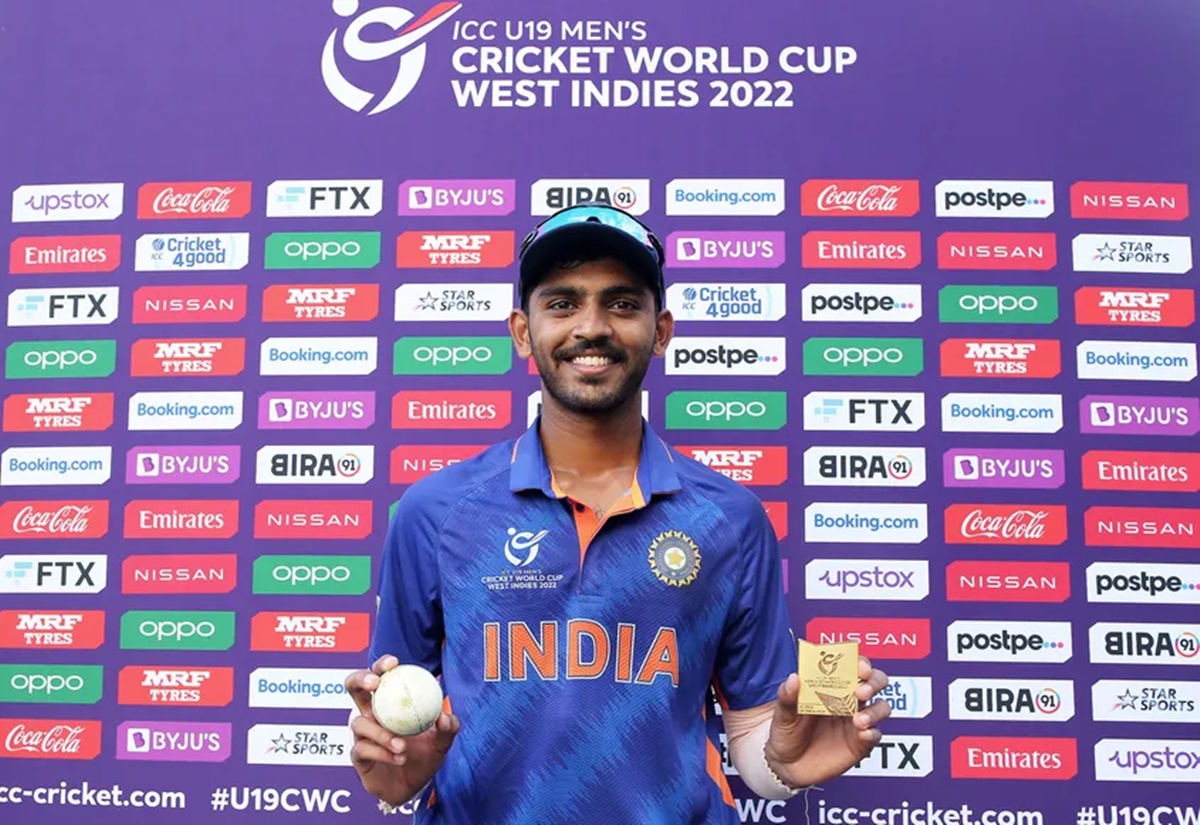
<point x="674" y="558"/>
<point x="407" y="44"/>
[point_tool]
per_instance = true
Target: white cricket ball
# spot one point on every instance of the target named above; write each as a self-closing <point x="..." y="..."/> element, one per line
<point x="408" y="700"/>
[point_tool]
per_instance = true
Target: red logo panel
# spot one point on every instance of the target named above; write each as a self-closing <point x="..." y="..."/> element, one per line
<point x="997" y="250"/>
<point x="777" y="514"/>
<point x="451" y="410"/>
<point x="52" y="629"/>
<point x="49" y="739"/>
<point x="52" y="254"/>
<point x="179" y="574"/>
<point x="320" y="302"/>
<point x="480" y="249"/>
<point x="1131" y="307"/>
<point x="64" y="412"/>
<point x="752" y="466"/>
<point x="312" y="519"/>
<point x="1044" y="524"/>
<point x="181" y="519"/>
<point x="197" y="687"/>
<point x="188" y="357"/>
<point x="1008" y="581"/>
<point x="411" y="462"/>
<point x="1173" y="527"/>
<point x="217" y="304"/>
<point x="1000" y="358"/>
<point x="1129" y="201"/>
<point x="310" y="632"/>
<point x="1011" y="757"/>
<point x="208" y="199"/>
<point x="54" y="519"/>
<point x="860" y="198"/>
<point x="891" y="638"/>
<point x="860" y="250"/>
<point x="1151" y="472"/>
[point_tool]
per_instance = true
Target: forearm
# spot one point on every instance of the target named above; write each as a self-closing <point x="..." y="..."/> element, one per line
<point x="746" y="736"/>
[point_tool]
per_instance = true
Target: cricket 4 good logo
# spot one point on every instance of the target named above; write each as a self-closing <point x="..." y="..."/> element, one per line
<point x="1143" y="583"/>
<point x="352" y="410"/>
<point x="1122" y="700"/>
<point x="994" y="198"/>
<point x="319" y="356"/>
<point x="866" y="523"/>
<point x="1130" y="307"/>
<point x="177" y="630"/>
<point x="856" y="303"/>
<point x="175" y="741"/>
<point x="51" y="684"/>
<point x="1012" y="469"/>
<point x="823" y="249"/>
<point x="1012" y="700"/>
<point x="324" y="198"/>
<point x="727" y="302"/>
<point x="864" y="411"/>
<point x="726" y="356"/>
<point x="1139" y="415"/>
<point x="55" y="466"/>
<point x="1043" y="524"/>
<point x="1000" y="358"/>
<point x="474" y="355"/>
<point x="300" y="745"/>
<point x="216" y="304"/>
<point x="451" y="409"/>
<point x="1172" y="527"/>
<point x="291" y="688"/>
<point x="152" y="358"/>
<point x="82" y="574"/>
<point x="548" y="195"/>
<point x="48" y="255"/>
<point x="175" y="686"/>
<point x="963" y="304"/>
<point x="52" y="629"/>
<point x="1121" y="200"/>
<point x="312" y="519"/>
<point x="453" y="302"/>
<point x="60" y="359"/>
<point x="321" y="250"/>
<point x="1147" y="760"/>
<point x="1008" y="581"/>
<point x="42" y="203"/>
<point x="997" y="250"/>
<point x="69" y="519"/>
<point x="312" y="575"/>
<point x="725" y="196"/>
<point x="730" y="248"/>
<point x="412" y="462"/>
<point x="49" y="738"/>
<point x="162" y="411"/>
<point x="315" y="464"/>
<point x="192" y="200"/>
<point x="899" y="756"/>
<point x="911" y="697"/>
<point x="183" y="465"/>
<point x="1141" y="471"/>
<point x="310" y="632"/>
<point x="201" y="252"/>
<point x="1011" y="757"/>
<point x="482" y="249"/>
<point x="1140" y="254"/>
<point x="1136" y="361"/>
<point x="181" y="519"/>
<point x="320" y="302"/>
<point x="864" y="356"/>
<point x="728" y="410"/>
<point x="63" y="306"/>
<point x="406" y="48"/>
<point x="1140" y="643"/>
<point x="864" y="466"/>
<point x="179" y="573"/>
<point x="78" y="412"/>
<point x="886" y="638"/>
<point x="860" y="198"/>
<point x="1011" y="642"/>
<point x="457" y="197"/>
<point x="981" y="412"/>
<point x="751" y="466"/>
<point x="866" y="579"/>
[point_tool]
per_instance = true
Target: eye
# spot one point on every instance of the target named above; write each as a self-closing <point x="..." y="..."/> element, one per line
<point x="559" y="305"/>
<point x="625" y="305"/>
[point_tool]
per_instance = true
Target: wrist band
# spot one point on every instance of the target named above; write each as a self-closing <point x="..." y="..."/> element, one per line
<point x="784" y="787"/>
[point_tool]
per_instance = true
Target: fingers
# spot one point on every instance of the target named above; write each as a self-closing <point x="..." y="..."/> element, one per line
<point x="873" y="684"/>
<point x="362" y="683"/>
<point x="371" y="731"/>
<point x="383" y="664"/>
<point x="445" y="729"/>
<point x="364" y="754"/>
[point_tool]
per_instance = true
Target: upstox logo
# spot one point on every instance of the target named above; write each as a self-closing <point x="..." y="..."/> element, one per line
<point x="60" y="359"/>
<point x="51" y="684"/>
<point x="726" y="410"/>
<point x="312" y="575"/>
<point x="478" y="355"/>
<point x="864" y="356"/>
<point x="177" y="630"/>
<point x="998" y="304"/>
<point x="322" y="250"/>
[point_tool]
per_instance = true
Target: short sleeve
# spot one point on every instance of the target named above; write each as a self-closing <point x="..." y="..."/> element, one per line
<point x="758" y="648"/>
<point x="408" y="623"/>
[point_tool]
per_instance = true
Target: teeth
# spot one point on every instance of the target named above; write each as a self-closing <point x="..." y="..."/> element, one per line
<point x="592" y="360"/>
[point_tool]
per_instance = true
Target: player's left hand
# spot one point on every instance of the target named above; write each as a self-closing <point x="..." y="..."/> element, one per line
<point x="808" y="750"/>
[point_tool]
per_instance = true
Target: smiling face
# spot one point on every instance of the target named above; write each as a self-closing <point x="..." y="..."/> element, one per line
<point x="592" y="330"/>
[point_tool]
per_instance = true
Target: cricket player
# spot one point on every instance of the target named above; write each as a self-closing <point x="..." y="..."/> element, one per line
<point x="587" y="595"/>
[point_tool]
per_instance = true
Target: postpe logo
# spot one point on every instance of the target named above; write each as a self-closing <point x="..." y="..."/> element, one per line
<point x="407" y="46"/>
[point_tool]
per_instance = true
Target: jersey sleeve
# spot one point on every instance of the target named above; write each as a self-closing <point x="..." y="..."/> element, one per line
<point x="758" y="648"/>
<point x="408" y="622"/>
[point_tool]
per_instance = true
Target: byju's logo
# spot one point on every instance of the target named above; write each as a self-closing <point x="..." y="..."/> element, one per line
<point x="406" y="45"/>
<point x="1139" y="415"/>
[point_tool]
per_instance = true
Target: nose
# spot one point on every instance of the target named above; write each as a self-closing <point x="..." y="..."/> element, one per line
<point x="592" y="322"/>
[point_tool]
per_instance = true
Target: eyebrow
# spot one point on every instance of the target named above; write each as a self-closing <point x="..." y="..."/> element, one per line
<point x="575" y="292"/>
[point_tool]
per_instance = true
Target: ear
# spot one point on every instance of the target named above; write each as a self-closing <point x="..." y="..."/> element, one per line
<point x="664" y="330"/>
<point x="518" y="328"/>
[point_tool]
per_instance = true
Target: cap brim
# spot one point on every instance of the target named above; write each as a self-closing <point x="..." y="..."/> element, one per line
<point x="588" y="239"/>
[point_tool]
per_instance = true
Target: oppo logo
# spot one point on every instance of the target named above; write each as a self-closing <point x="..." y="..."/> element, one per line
<point x="50" y="359"/>
<point x="177" y="630"/>
<point x="39" y="683"/>
<point x="322" y="249"/>
<point x="311" y="574"/>
<point x="865" y="356"/>
<point x="999" y="304"/>
<point x="452" y="355"/>
<point x="725" y="410"/>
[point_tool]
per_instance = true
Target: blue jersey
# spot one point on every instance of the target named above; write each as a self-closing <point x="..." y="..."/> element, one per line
<point x="579" y="652"/>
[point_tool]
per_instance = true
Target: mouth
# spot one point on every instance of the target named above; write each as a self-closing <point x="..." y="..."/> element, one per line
<point x="591" y="363"/>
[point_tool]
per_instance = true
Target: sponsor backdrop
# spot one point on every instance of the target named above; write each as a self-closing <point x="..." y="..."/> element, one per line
<point x="933" y="273"/>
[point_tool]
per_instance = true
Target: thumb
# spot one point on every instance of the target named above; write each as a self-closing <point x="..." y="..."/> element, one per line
<point x="787" y="697"/>
<point x="445" y="729"/>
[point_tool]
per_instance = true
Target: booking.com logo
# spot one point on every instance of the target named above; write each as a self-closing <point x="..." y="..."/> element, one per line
<point x="407" y="44"/>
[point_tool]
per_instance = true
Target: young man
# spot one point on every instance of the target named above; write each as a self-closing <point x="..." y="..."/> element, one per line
<point x="580" y="589"/>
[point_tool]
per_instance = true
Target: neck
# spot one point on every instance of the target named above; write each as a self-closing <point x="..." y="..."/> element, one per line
<point x="589" y="444"/>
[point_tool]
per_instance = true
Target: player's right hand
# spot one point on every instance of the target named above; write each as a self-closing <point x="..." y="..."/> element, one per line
<point x="393" y="768"/>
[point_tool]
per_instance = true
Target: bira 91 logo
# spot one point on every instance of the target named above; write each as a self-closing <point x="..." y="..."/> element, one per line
<point x="997" y="250"/>
<point x="157" y="358"/>
<point x="451" y="410"/>
<point x="310" y="632"/>
<point x="52" y="629"/>
<point x="1009" y="641"/>
<point x="486" y="249"/>
<point x="889" y="638"/>
<point x="175" y="686"/>
<point x="1138" y="471"/>
<point x="72" y="519"/>
<point x="1011" y="757"/>
<point x="1173" y="527"/>
<point x="1140" y="643"/>
<point x="69" y="412"/>
<point x="49" y="738"/>
<point x="310" y="519"/>
<point x="1043" y="524"/>
<point x="860" y="250"/>
<point x="1129" y="307"/>
<point x="1114" y="200"/>
<point x="1008" y="581"/>
<point x="1000" y="358"/>
<point x="190" y="200"/>
<point x="216" y="304"/>
<point x="47" y="255"/>
<point x="320" y="302"/>
<point x="179" y="573"/>
<point x="864" y="466"/>
<point x="181" y="519"/>
<point x="860" y="198"/>
<point x="1012" y="700"/>
<point x="757" y="466"/>
<point x="315" y="464"/>
<point x="412" y="462"/>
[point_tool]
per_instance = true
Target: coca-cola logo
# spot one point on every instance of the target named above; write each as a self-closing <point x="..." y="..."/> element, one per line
<point x="875" y="198"/>
<point x="67" y="519"/>
<point x="54" y="519"/>
<point x="1005" y="524"/>
<point x="894" y="198"/>
<point x="208" y="199"/>
<point x="46" y="739"/>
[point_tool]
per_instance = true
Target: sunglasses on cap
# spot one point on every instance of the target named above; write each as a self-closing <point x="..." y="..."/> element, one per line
<point x="599" y="213"/>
